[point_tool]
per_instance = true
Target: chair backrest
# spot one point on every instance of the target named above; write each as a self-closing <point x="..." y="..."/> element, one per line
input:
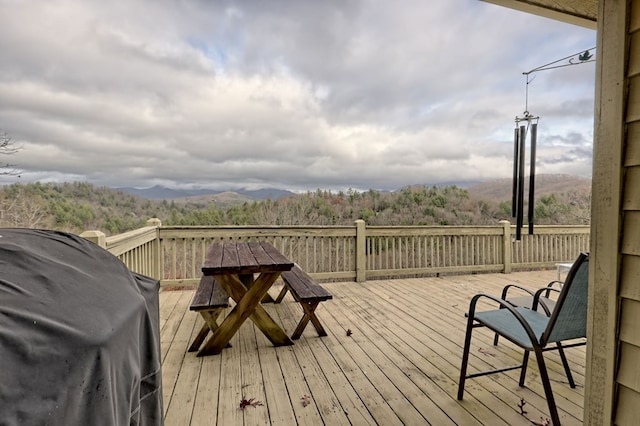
<point x="569" y="317"/>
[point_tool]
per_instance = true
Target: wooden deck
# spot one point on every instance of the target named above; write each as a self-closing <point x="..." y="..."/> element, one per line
<point x="399" y="365"/>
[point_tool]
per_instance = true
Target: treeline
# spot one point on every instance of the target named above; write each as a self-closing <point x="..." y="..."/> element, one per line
<point x="78" y="206"/>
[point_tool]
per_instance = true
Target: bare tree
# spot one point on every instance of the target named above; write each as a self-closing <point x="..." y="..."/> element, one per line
<point x="22" y="211"/>
<point x="7" y="147"/>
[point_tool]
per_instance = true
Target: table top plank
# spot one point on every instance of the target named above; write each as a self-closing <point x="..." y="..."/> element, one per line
<point x="244" y="258"/>
<point x="230" y="256"/>
<point x="260" y="253"/>
<point x="214" y="256"/>
<point x="274" y="254"/>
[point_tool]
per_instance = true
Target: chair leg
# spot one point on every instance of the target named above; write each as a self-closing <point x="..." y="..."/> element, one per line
<point x="497" y="336"/>
<point x="546" y="384"/>
<point x="465" y="358"/>
<point x="523" y="369"/>
<point x="565" y="363"/>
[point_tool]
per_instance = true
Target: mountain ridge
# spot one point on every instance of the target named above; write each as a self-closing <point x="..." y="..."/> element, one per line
<point x="545" y="184"/>
<point x="497" y="189"/>
<point x="159" y="192"/>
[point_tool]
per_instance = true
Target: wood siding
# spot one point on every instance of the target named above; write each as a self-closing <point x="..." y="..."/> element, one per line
<point x="612" y="389"/>
<point x="606" y="213"/>
<point x="628" y="376"/>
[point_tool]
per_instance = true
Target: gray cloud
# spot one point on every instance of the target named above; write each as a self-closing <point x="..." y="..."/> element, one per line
<point x="299" y="95"/>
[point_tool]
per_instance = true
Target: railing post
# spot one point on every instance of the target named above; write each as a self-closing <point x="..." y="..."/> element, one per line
<point x="96" y="237"/>
<point x="506" y="246"/>
<point x="361" y="257"/>
<point x="154" y="221"/>
<point x="158" y="263"/>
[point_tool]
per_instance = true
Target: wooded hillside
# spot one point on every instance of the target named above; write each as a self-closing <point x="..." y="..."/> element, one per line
<point x="79" y="206"/>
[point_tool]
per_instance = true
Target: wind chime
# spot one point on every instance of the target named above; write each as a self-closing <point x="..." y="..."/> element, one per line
<point x="519" y="145"/>
<point x="527" y="125"/>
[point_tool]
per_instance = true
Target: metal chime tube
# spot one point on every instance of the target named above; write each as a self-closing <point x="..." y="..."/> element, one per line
<point x="520" y="209"/>
<point x="516" y="162"/>
<point x="532" y="176"/>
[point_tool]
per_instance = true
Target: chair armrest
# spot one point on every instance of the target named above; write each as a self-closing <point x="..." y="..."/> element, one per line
<point x="538" y="295"/>
<point x="503" y="305"/>
<point x="554" y="284"/>
<point x="547" y="290"/>
<point x="506" y="289"/>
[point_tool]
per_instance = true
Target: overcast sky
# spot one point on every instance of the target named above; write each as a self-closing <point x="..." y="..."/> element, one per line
<point x="296" y="95"/>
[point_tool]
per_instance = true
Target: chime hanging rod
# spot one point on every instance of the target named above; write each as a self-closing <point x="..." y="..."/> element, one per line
<point x="581" y="57"/>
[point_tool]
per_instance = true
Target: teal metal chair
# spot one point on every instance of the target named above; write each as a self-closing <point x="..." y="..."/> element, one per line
<point x="534" y="331"/>
<point x="546" y="305"/>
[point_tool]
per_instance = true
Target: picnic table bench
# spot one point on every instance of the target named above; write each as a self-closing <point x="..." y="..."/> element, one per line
<point x="210" y="300"/>
<point x="306" y="292"/>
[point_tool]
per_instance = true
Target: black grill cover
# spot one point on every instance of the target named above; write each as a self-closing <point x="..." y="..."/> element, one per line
<point x="79" y="334"/>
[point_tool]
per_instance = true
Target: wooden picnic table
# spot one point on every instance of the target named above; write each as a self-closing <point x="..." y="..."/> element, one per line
<point x="233" y="265"/>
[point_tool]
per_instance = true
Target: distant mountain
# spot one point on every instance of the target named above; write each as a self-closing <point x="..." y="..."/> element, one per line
<point x="545" y="184"/>
<point x="465" y="184"/>
<point x="162" y="193"/>
<point x="221" y="200"/>
<point x="499" y="189"/>
<point x="264" y="194"/>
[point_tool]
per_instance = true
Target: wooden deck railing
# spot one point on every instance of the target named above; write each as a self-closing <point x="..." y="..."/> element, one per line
<point x="138" y="249"/>
<point x="175" y="254"/>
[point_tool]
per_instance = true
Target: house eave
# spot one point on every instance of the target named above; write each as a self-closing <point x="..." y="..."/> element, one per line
<point x="577" y="12"/>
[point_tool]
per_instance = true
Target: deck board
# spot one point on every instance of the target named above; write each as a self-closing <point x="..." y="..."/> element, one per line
<point x="399" y="365"/>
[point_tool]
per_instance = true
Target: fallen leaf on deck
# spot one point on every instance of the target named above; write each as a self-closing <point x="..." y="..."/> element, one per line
<point x="306" y="400"/>
<point x="249" y="402"/>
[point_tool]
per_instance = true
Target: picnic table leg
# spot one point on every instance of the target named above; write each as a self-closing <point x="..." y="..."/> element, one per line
<point x="210" y="324"/>
<point x="260" y="317"/>
<point x="248" y="280"/>
<point x="195" y="345"/>
<point x="247" y="306"/>
<point x="309" y="315"/>
<point x="282" y="293"/>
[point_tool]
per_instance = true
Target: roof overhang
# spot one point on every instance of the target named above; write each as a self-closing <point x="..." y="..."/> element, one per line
<point x="578" y="12"/>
